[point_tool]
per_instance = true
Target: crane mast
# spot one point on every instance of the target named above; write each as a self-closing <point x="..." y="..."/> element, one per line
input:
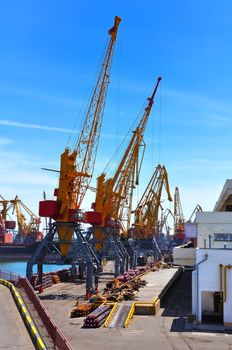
<point x="114" y="196"/>
<point x="179" y="232"/>
<point x="77" y="166"/>
<point x="146" y="212"/>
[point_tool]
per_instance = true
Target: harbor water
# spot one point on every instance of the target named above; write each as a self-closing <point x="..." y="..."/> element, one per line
<point x="19" y="267"/>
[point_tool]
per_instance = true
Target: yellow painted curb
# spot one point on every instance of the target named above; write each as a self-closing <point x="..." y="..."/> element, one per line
<point x="107" y="321"/>
<point x="130" y="315"/>
<point x="25" y="315"/>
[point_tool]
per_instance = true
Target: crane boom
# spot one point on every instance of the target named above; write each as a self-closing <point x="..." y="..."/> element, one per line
<point x="77" y="165"/>
<point x="88" y="142"/>
<point x="76" y="168"/>
<point x="114" y="196"/>
<point x="146" y="212"/>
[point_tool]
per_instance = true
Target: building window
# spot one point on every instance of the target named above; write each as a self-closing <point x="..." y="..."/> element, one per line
<point x="223" y="237"/>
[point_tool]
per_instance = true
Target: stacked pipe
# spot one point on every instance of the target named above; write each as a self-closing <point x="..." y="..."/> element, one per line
<point x="97" y="317"/>
<point x="47" y="281"/>
<point x="50" y="278"/>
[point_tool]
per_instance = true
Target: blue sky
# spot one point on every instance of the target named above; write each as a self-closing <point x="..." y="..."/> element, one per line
<point x="50" y="52"/>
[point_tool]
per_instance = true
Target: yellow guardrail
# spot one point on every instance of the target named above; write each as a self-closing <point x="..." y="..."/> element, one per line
<point x="130" y="315"/>
<point x="107" y="321"/>
<point x="25" y="315"/>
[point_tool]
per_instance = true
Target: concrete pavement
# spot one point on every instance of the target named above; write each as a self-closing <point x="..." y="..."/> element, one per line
<point x="13" y="333"/>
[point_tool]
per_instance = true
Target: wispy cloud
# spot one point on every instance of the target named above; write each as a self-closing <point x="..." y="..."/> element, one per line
<point x="13" y="123"/>
<point x="5" y="141"/>
<point x="195" y="100"/>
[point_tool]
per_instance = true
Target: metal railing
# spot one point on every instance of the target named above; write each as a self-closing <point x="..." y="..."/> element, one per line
<point x="59" y="340"/>
<point x="10" y="276"/>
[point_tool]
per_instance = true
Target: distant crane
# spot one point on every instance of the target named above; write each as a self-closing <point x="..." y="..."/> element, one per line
<point x="197" y="209"/>
<point x="179" y="231"/>
<point x="77" y="166"/>
<point x="163" y="222"/>
<point x="147" y="210"/>
<point x="25" y="228"/>
<point x="5" y="207"/>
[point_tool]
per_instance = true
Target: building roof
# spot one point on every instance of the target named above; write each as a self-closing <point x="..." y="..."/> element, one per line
<point x="225" y="198"/>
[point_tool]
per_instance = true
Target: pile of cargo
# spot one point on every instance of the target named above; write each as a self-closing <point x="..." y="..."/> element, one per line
<point x="61" y="276"/>
<point x="81" y="310"/>
<point x="130" y="274"/>
<point x="161" y="265"/>
<point x="97" y="317"/>
<point x="50" y="278"/>
<point x="118" y="290"/>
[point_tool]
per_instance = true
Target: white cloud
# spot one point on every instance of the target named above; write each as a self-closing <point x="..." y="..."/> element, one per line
<point x="5" y="141"/>
<point x="13" y="123"/>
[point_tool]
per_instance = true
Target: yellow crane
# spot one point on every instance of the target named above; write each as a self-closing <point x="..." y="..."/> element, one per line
<point x="147" y="210"/>
<point x="112" y="207"/>
<point x="179" y="232"/>
<point x="163" y="222"/>
<point x="4" y="203"/>
<point x="77" y="166"/>
<point x="25" y="227"/>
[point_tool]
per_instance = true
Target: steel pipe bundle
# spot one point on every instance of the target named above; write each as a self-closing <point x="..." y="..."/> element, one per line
<point x="97" y="317"/>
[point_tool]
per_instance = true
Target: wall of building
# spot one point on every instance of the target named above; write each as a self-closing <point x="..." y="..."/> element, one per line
<point x="206" y="278"/>
<point x="184" y="256"/>
<point x="211" y="223"/>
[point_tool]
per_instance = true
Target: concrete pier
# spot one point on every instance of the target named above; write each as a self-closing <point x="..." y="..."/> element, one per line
<point x="13" y="333"/>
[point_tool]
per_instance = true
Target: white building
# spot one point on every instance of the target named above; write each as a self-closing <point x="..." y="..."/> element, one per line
<point x="212" y="278"/>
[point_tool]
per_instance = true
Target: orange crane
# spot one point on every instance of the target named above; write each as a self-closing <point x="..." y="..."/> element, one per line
<point x="77" y="166"/>
<point x="25" y="228"/>
<point x="147" y="210"/>
<point x="179" y="232"/>
<point x="113" y="202"/>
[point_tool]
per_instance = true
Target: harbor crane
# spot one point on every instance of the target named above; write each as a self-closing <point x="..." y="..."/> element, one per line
<point x="77" y="165"/>
<point x="197" y="209"/>
<point x="146" y="213"/>
<point x="76" y="171"/>
<point x="26" y="228"/>
<point x="5" y="207"/>
<point x="113" y="201"/>
<point x="163" y="222"/>
<point x="179" y="232"/>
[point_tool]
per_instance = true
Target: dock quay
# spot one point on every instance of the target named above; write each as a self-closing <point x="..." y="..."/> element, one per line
<point x="21" y="306"/>
<point x="12" y="325"/>
<point x="62" y="296"/>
